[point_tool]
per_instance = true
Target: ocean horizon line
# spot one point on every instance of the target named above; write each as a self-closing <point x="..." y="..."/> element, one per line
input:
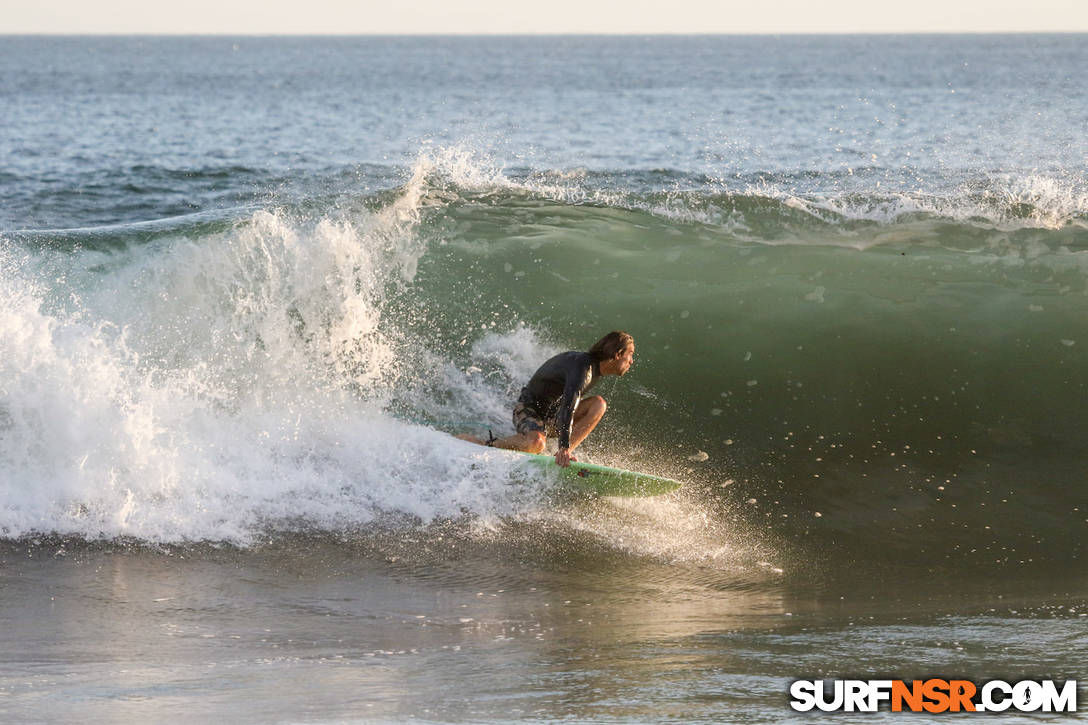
<point x="529" y="34"/>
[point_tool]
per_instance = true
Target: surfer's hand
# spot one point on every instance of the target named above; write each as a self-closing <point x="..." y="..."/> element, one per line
<point x="563" y="457"/>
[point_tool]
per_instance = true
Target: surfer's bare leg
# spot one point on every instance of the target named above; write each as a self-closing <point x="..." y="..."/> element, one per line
<point x="586" y="417"/>
<point x="529" y="442"/>
<point x="532" y="442"/>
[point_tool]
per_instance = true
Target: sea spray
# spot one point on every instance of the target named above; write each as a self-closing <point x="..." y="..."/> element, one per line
<point x="211" y="387"/>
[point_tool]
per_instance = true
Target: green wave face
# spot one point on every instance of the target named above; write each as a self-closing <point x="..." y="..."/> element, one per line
<point x="879" y="370"/>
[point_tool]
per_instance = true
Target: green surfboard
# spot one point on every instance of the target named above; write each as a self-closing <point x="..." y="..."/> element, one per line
<point x="603" y="480"/>
<point x="592" y="477"/>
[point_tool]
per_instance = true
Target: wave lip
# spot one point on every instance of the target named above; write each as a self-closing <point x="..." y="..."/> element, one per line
<point x="769" y="206"/>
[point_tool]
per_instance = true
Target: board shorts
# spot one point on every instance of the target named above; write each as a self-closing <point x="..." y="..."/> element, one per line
<point x="527" y="420"/>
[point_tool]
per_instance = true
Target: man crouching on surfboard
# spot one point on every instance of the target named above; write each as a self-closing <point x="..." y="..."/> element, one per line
<point x="551" y="404"/>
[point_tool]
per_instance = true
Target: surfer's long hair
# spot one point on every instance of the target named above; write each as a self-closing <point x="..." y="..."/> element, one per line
<point x="611" y="345"/>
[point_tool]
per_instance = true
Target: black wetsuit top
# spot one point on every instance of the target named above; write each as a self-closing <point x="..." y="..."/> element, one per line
<point x="556" y="388"/>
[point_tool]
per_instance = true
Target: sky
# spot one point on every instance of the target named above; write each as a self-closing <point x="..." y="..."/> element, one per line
<point x="305" y="17"/>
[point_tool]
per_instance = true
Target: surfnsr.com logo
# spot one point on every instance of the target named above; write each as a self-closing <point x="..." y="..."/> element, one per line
<point x="933" y="695"/>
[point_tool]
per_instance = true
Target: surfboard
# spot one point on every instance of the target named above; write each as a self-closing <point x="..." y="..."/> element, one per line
<point x="602" y="480"/>
<point x="588" y="477"/>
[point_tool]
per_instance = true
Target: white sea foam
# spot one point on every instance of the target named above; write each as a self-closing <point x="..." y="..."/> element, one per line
<point x="1007" y="202"/>
<point x="209" y="388"/>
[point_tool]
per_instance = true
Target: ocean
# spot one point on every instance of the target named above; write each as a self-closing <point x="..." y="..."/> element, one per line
<point x="248" y="285"/>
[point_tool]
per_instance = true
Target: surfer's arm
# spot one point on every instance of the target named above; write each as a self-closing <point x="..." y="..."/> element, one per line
<point x="564" y="419"/>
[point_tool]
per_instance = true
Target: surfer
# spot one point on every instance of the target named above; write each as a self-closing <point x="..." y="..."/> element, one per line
<point x="551" y="403"/>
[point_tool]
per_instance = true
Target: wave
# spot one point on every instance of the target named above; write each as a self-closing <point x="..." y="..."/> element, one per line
<point x="1002" y="200"/>
<point x="906" y="367"/>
